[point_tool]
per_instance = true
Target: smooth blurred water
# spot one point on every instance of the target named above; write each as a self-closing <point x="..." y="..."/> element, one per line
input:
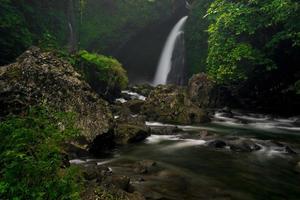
<point x="188" y="169"/>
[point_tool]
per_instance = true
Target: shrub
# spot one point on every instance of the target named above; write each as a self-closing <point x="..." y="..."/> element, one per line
<point x="31" y="162"/>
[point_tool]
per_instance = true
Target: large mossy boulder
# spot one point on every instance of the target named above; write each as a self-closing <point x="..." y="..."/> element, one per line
<point x="200" y="89"/>
<point x="105" y="74"/>
<point x="40" y="78"/>
<point x="130" y="133"/>
<point x="206" y="93"/>
<point x="171" y="104"/>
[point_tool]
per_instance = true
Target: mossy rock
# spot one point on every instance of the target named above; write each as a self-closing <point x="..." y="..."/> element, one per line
<point x="40" y="78"/>
<point x="129" y="133"/>
<point x="170" y="104"/>
<point x="105" y="74"/>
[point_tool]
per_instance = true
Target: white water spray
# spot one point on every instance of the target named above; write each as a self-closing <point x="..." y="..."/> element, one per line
<point x="165" y="62"/>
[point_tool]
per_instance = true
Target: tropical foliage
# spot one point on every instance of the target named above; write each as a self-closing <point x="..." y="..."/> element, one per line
<point x="244" y="35"/>
<point x="31" y="161"/>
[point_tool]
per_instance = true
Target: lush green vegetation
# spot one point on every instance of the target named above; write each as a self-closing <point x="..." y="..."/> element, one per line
<point x="23" y="23"/>
<point x="244" y="35"/>
<point x="105" y="74"/>
<point x="197" y="37"/>
<point x="252" y="47"/>
<point x="31" y="164"/>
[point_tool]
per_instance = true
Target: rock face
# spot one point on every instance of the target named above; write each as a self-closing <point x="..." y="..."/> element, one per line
<point x="129" y="133"/>
<point x="170" y="104"/>
<point x="40" y="78"/>
<point x="200" y="89"/>
<point x="204" y="92"/>
<point x="129" y="128"/>
<point x="143" y="89"/>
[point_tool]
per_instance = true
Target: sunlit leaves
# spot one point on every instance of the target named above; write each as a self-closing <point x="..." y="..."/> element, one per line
<point x="243" y="35"/>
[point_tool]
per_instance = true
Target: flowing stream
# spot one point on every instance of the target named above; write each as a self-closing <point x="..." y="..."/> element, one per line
<point x="165" y="62"/>
<point x="187" y="167"/>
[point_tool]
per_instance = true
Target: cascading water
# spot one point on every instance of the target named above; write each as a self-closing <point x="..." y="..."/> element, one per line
<point x="72" y="43"/>
<point x="165" y="62"/>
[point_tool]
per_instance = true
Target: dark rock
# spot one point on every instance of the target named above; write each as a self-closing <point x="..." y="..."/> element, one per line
<point x="75" y="150"/>
<point x="217" y="144"/>
<point x="204" y="92"/>
<point x="289" y="150"/>
<point x="106" y="171"/>
<point x="285" y="148"/>
<point x="91" y="172"/>
<point x="135" y="196"/>
<point x="145" y="166"/>
<point x="206" y="135"/>
<point x="94" y="172"/>
<point x="243" y="146"/>
<point x="143" y="89"/>
<point x="103" y="144"/>
<point x="125" y="96"/>
<point x="170" y="104"/>
<point x="122" y="182"/>
<point x="130" y="133"/>
<point x="226" y="112"/>
<point x="141" y="179"/>
<point x="200" y="89"/>
<point x="65" y="161"/>
<point x="135" y="105"/>
<point x="40" y="78"/>
<point x="297" y="121"/>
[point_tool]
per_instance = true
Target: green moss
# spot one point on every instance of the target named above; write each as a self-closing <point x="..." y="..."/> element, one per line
<point x="109" y="69"/>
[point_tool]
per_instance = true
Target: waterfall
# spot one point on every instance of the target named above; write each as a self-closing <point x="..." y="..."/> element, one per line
<point x="71" y="13"/>
<point x="165" y="62"/>
<point x="178" y="72"/>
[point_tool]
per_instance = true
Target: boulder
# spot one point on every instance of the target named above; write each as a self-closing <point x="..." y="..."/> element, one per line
<point x="243" y="145"/>
<point x="40" y="78"/>
<point x="129" y="133"/>
<point x="145" y="166"/>
<point x="143" y="89"/>
<point x="121" y="182"/>
<point x="217" y="144"/>
<point x="135" y="105"/>
<point x="289" y="150"/>
<point x="204" y="92"/>
<point x="200" y="89"/>
<point x="170" y="104"/>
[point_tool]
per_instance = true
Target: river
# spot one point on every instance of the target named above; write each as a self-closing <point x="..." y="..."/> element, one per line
<point x="184" y="165"/>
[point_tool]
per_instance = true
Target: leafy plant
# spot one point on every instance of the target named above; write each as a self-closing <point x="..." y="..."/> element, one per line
<point x="31" y="162"/>
<point x="244" y="35"/>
